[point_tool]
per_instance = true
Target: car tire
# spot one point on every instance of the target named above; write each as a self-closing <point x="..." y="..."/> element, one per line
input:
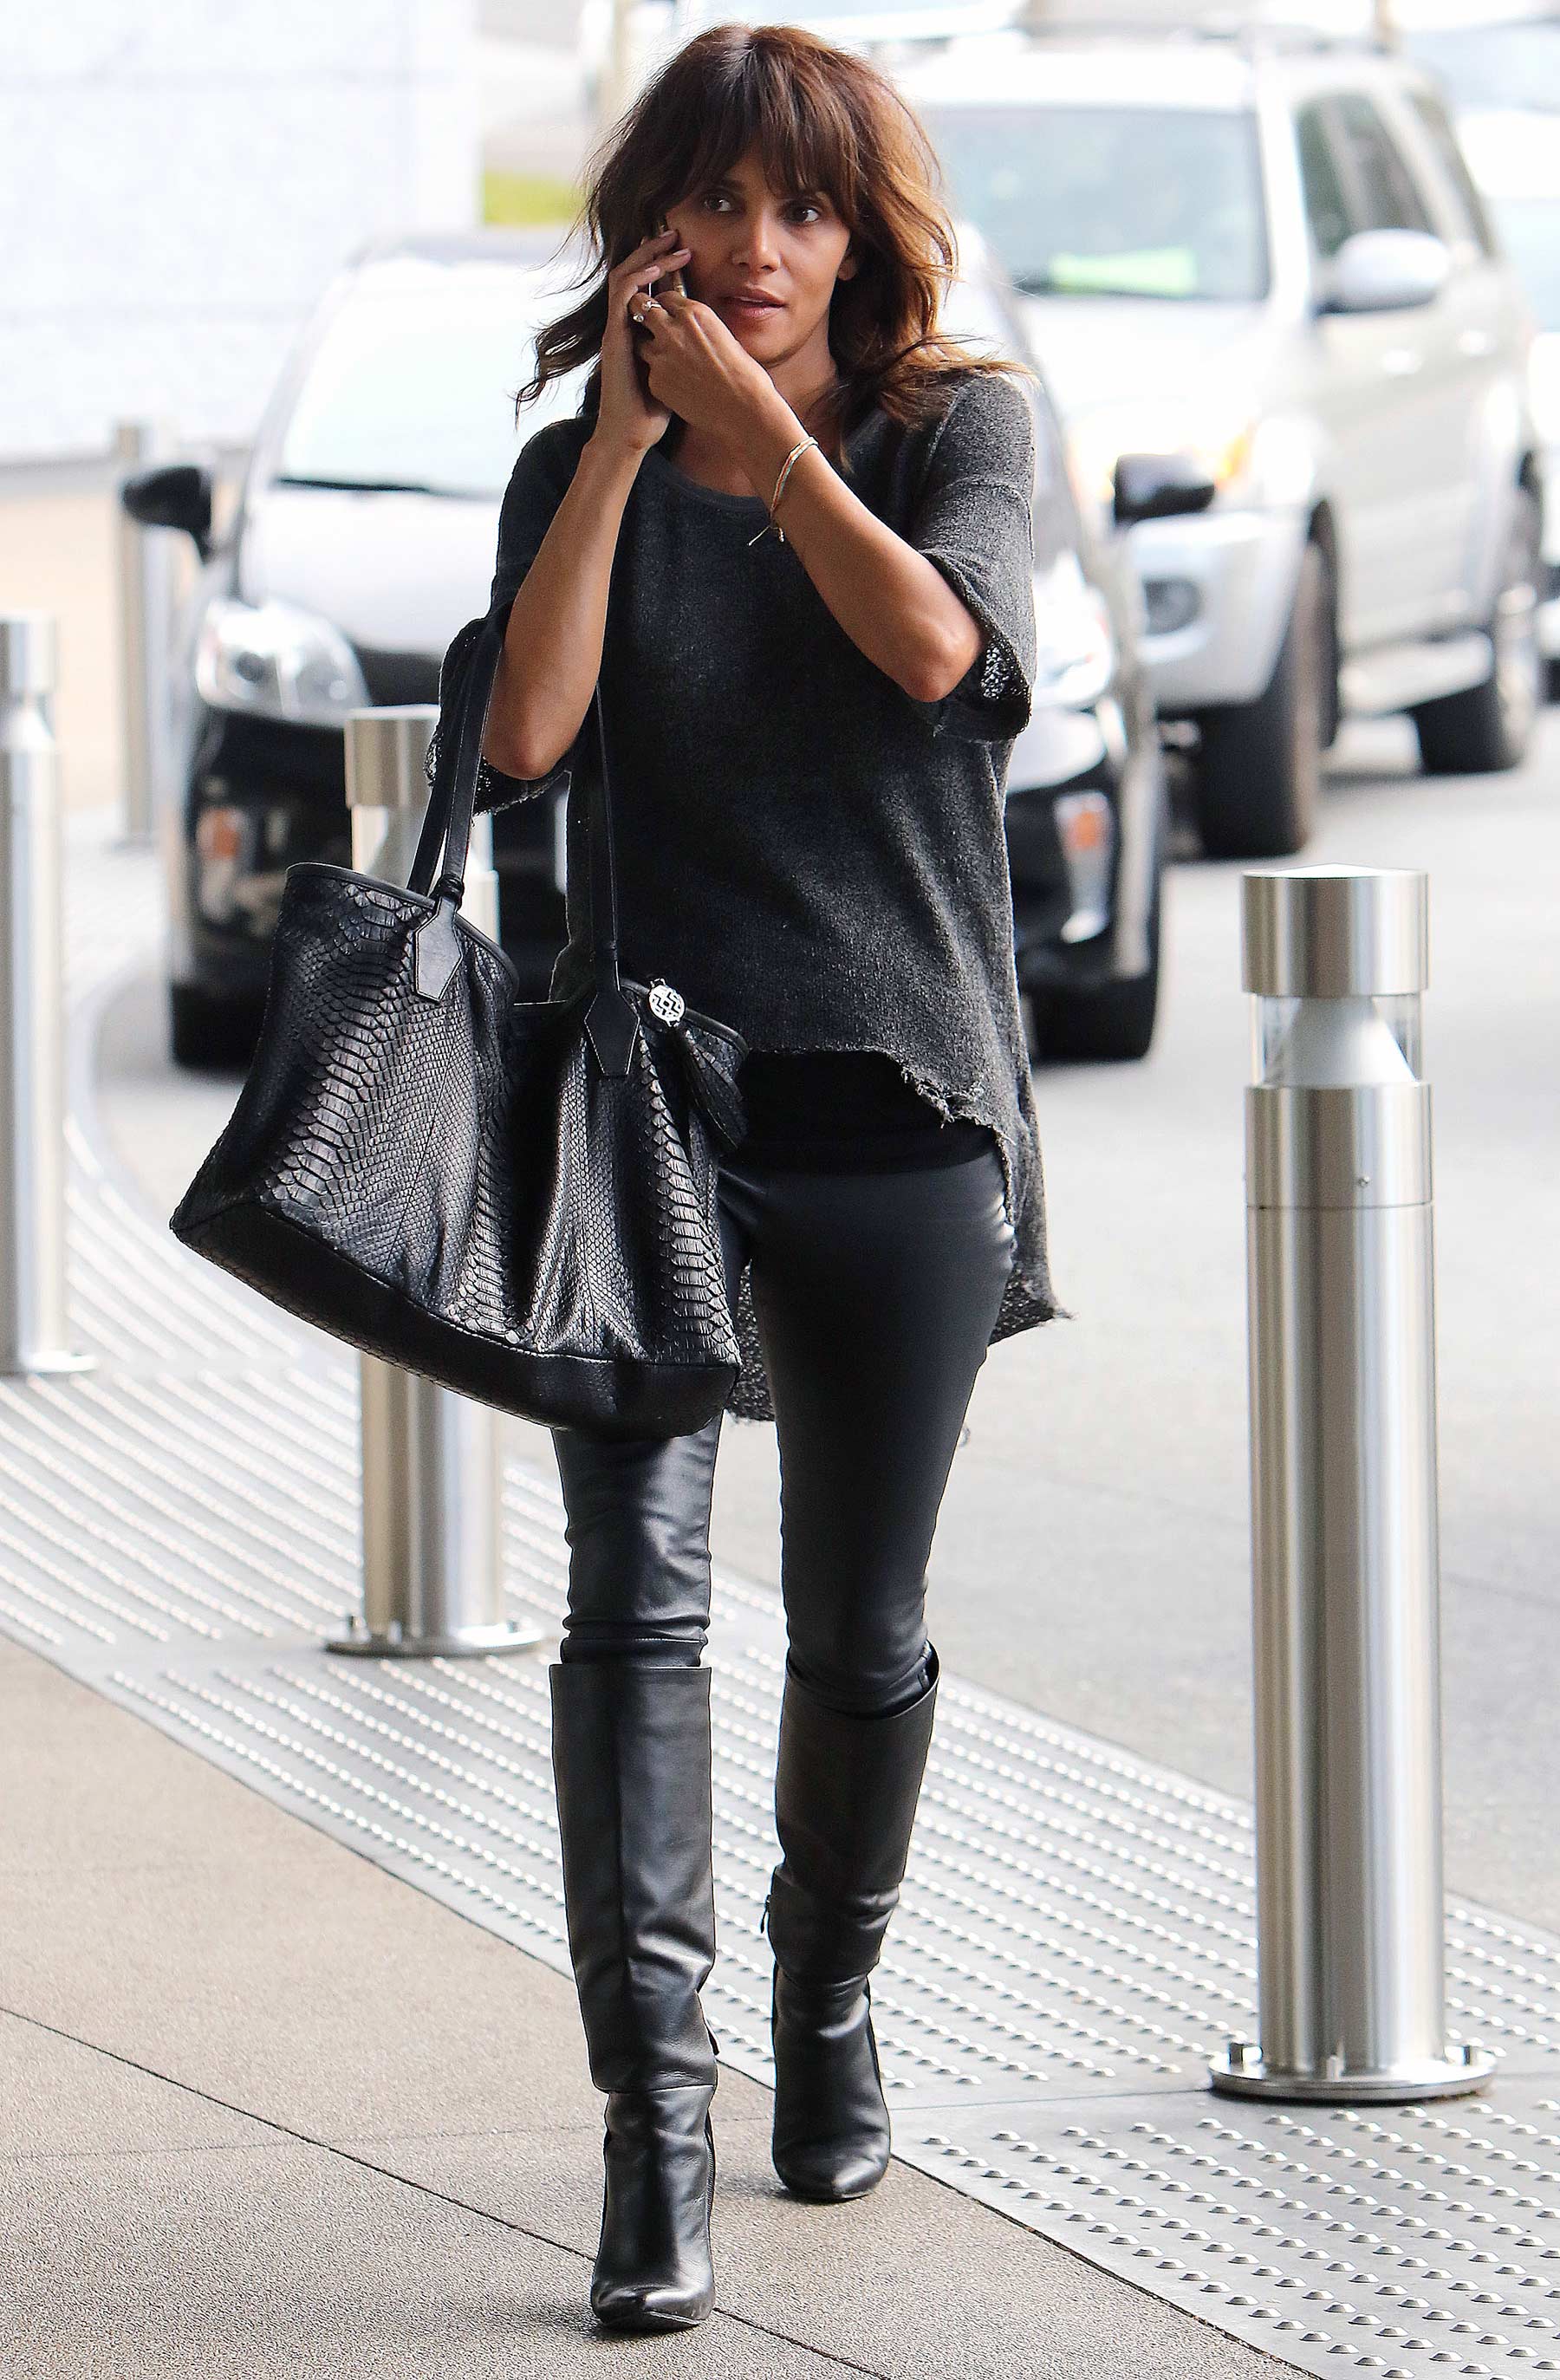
<point x="1258" y="770"/>
<point x="1114" y="1022"/>
<point x="1490" y="726"/>
<point x="207" y="1031"/>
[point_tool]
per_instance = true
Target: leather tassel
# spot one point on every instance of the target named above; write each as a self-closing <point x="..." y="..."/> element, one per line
<point x="717" y="1095"/>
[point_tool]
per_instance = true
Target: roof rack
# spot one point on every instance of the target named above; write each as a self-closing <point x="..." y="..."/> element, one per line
<point x="1253" y="37"/>
<point x="925" y="29"/>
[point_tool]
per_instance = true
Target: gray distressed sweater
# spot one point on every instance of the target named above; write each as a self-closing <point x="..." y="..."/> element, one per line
<point x="803" y="850"/>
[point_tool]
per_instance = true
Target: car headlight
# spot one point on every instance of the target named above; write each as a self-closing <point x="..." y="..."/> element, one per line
<point x="276" y="661"/>
<point x="1220" y="443"/>
<point x="1075" y="641"/>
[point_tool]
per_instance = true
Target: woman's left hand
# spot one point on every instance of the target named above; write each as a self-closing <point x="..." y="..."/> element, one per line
<point x="695" y="367"/>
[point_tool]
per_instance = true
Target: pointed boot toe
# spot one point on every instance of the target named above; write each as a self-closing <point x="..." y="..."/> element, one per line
<point x="832" y="2133"/>
<point x="653" y="2269"/>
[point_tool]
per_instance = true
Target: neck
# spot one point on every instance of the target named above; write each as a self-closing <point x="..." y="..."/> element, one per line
<point x="804" y="380"/>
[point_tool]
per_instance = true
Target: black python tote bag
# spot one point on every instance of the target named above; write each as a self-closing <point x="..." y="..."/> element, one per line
<point x="514" y="1199"/>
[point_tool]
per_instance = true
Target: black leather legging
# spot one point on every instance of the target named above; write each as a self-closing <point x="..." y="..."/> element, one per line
<point x="875" y="1294"/>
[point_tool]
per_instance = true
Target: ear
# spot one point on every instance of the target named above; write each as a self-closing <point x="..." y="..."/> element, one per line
<point x="849" y="263"/>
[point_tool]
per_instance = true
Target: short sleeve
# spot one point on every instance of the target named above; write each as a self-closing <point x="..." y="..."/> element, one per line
<point x="543" y="469"/>
<point x="973" y="518"/>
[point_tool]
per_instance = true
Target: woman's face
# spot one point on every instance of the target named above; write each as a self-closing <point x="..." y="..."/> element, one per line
<point x="765" y="260"/>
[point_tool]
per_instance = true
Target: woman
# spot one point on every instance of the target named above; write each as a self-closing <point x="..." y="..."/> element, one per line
<point x="812" y="515"/>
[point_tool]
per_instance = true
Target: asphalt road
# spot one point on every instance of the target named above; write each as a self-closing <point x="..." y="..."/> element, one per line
<point x="1092" y="1557"/>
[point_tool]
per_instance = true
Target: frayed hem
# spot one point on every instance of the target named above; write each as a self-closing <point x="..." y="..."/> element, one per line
<point x="1028" y="1300"/>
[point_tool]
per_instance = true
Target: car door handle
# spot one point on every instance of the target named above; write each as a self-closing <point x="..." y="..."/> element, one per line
<point x="1400" y="363"/>
<point x="1475" y="343"/>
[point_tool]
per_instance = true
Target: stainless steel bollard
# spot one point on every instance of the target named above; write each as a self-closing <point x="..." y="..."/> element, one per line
<point x="1344" y="1503"/>
<point x="433" y="1463"/>
<point x="146" y="621"/>
<point x="33" y="1329"/>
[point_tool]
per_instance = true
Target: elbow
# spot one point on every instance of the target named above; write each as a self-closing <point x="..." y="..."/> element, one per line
<point x="927" y="683"/>
<point x="931" y="677"/>
<point x="511" y="742"/>
<point x="516" y="756"/>
<point x="940" y="664"/>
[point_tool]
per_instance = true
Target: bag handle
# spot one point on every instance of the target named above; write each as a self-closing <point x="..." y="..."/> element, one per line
<point x="613" y="1021"/>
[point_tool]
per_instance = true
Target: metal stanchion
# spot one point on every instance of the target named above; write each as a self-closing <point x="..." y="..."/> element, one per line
<point x="1344" y="1504"/>
<point x="432" y="1465"/>
<point x="146" y="607"/>
<point x="32" y="1310"/>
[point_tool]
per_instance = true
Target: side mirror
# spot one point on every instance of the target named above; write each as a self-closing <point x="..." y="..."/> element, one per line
<point x="1159" y="487"/>
<point x="1385" y="273"/>
<point x="174" y="495"/>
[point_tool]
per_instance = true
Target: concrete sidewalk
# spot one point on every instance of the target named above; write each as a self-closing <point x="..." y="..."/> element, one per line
<point x="273" y="2112"/>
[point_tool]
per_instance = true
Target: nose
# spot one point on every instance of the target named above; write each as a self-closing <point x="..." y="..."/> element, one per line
<point x="757" y="249"/>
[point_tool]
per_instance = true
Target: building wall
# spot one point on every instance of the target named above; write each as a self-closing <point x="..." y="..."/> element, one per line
<point x="178" y="180"/>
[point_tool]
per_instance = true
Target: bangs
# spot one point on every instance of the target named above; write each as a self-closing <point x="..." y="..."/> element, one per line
<point x="821" y="122"/>
<point x="798" y="123"/>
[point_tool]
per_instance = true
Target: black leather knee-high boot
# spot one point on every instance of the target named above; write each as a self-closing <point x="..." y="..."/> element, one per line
<point x="846" y="1788"/>
<point x="631" y="1755"/>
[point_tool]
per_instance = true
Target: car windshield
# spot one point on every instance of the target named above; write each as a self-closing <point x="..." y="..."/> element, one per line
<point x="1529" y="231"/>
<point x="411" y="386"/>
<point x="1112" y="201"/>
<point x="1495" y="66"/>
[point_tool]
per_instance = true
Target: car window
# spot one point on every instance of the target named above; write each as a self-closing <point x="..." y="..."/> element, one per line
<point x="1112" y="201"/>
<point x="1326" y="207"/>
<point x="1484" y="64"/>
<point x="1386" y="197"/>
<point x="1468" y="207"/>
<point x="1530" y="229"/>
<point x="975" y="313"/>
<point x="411" y="383"/>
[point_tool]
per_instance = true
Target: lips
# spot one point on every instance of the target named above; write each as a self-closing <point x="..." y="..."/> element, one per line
<point x="751" y="302"/>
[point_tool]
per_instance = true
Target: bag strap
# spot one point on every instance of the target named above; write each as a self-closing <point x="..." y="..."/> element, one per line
<point x="613" y="1020"/>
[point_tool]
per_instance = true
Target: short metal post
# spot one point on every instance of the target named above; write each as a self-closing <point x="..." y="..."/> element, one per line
<point x="1350" y="1909"/>
<point x="32" y="1163"/>
<point x="432" y="1462"/>
<point x="145" y="610"/>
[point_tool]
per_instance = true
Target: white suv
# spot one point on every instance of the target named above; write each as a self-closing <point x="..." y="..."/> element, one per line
<point x="1267" y="256"/>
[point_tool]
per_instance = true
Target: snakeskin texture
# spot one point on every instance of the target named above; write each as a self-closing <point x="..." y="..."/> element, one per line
<point x="454" y="1186"/>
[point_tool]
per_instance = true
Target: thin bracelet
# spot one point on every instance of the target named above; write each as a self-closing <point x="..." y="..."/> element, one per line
<point x="772" y="523"/>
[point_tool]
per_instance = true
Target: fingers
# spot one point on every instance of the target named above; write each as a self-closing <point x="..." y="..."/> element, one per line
<point x="654" y="313"/>
<point x="648" y="262"/>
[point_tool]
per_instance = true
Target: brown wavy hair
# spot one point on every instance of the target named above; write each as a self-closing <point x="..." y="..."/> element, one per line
<point x="821" y="120"/>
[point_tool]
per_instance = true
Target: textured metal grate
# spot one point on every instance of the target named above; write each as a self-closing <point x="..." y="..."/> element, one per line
<point x="1076" y="1931"/>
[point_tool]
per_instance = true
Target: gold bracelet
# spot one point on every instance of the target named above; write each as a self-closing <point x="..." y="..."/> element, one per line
<point x="797" y="451"/>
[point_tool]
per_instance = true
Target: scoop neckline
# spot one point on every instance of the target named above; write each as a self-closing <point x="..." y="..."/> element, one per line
<point x="722" y="498"/>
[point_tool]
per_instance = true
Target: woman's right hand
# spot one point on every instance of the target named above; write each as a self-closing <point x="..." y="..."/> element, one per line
<point x="629" y="418"/>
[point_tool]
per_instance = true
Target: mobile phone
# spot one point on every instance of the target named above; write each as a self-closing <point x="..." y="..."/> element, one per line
<point x="669" y="281"/>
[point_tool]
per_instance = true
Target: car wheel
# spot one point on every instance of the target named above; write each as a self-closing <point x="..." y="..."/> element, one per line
<point x="204" y="1030"/>
<point x="1490" y="726"/>
<point x="1114" y="1021"/>
<point x="1259" y="768"/>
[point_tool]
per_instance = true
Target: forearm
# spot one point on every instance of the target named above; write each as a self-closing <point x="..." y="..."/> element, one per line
<point x="892" y="603"/>
<point x="553" y="646"/>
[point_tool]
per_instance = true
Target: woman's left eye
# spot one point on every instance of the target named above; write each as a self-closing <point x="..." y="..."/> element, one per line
<point x="806" y="206"/>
